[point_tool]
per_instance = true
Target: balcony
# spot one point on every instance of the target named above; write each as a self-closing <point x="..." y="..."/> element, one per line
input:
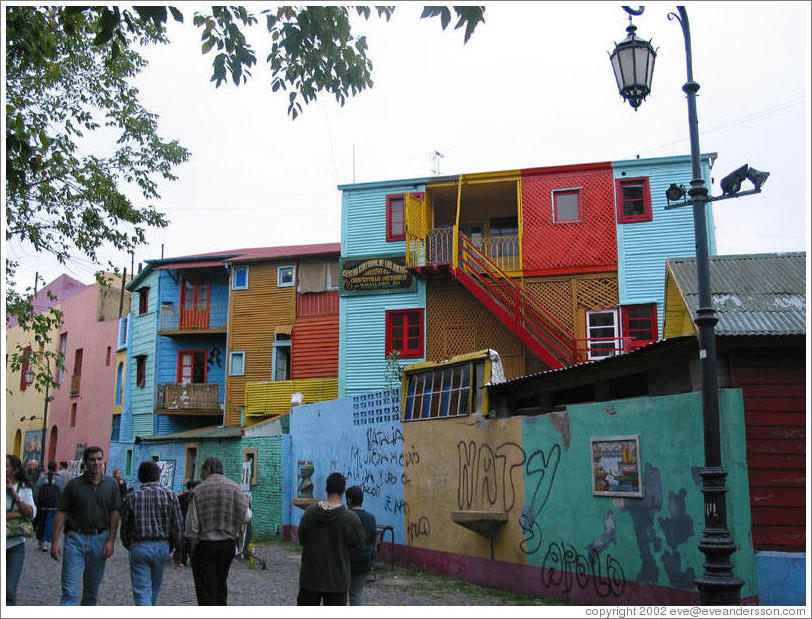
<point x="175" y="319"/>
<point x="189" y="397"/>
<point x="436" y="249"/>
<point x="273" y="397"/>
<point x="75" y="381"/>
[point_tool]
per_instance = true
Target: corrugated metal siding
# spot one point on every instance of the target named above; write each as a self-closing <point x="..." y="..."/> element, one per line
<point x="363" y="221"/>
<point x="253" y="317"/>
<point x="314" y="347"/>
<point x="362" y="362"/>
<point x="644" y="246"/>
<point x="143" y="342"/>
<point x="273" y="397"/>
<point x="169" y="424"/>
<point x="753" y="294"/>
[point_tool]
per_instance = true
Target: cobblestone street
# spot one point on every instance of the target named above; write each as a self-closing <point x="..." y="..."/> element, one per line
<point x="275" y="586"/>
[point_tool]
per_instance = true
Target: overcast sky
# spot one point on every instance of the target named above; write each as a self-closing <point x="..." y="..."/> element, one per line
<point x="532" y="88"/>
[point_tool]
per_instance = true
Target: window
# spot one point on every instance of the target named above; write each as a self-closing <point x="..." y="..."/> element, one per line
<point x="639" y="324"/>
<point x="76" y="379"/>
<point x="143" y="301"/>
<point x="404" y="333"/>
<point x="250" y="473"/>
<point x="119" y="384"/>
<point x="601" y="331"/>
<point x="191" y="366"/>
<point x="24" y="367"/>
<point x="286" y="276"/>
<point x="123" y="323"/>
<point x="239" y="278"/>
<point x="566" y="205"/>
<point x="73" y="415"/>
<point x="395" y="218"/>
<point x="190" y="463"/>
<point x="107" y="359"/>
<point x="141" y="371"/>
<point x="63" y="349"/>
<point x="633" y="200"/>
<point x="332" y="275"/>
<point x="450" y="391"/>
<point x="281" y="357"/>
<point x="128" y="463"/>
<point x="236" y="363"/>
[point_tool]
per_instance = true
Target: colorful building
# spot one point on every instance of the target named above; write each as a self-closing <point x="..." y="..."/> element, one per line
<point x="548" y="266"/>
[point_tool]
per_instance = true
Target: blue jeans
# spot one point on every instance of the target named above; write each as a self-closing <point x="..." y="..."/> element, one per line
<point x="147" y="560"/>
<point x="82" y="559"/>
<point x="357" y="583"/>
<point x="14" y="567"/>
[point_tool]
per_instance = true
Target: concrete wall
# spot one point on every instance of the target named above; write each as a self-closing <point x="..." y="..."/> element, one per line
<point x="559" y="540"/>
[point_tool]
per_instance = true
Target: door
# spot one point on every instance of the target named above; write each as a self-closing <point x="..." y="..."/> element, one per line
<point x="602" y="334"/>
<point x="195" y="293"/>
<point x="191" y="366"/>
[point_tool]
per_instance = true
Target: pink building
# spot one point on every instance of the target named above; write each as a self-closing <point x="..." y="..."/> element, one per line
<point x="81" y="411"/>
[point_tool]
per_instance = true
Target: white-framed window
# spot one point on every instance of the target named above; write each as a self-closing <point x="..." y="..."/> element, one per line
<point x="236" y="363"/>
<point x="332" y="275"/>
<point x="281" y="357"/>
<point x="603" y="339"/>
<point x="567" y="205"/>
<point x="239" y="277"/>
<point x="286" y="275"/>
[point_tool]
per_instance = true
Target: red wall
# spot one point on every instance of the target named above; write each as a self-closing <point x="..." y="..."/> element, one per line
<point x="774" y="388"/>
<point x="592" y="242"/>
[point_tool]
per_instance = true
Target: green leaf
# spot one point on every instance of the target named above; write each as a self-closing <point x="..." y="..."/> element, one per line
<point x="176" y="14"/>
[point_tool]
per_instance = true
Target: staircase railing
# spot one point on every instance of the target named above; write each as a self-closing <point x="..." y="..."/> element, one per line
<point x="539" y="330"/>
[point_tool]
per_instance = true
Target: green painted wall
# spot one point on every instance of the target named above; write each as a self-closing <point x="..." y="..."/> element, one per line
<point x="649" y="540"/>
<point x="266" y="496"/>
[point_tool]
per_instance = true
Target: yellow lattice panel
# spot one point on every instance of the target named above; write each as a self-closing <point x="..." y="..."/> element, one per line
<point x="273" y="398"/>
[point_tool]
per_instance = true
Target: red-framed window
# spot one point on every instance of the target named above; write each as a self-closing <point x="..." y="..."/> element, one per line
<point x="633" y="200"/>
<point x="395" y="217"/>
<point x="195" y="292"/>
<point x="404" y="333"/>
<point x="566" y="206"/>
<point x="24" y="367"/>
<point x="192" y="366"/>
<point x="143" y="300"/>
<point x="639" y="324"/>
<point x="140" y="370"/>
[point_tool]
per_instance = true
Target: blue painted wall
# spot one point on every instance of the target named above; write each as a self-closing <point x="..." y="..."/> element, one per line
<point x="781" y="578"/>
<point x="644" y="246"/>
<point x="365" y="444"/>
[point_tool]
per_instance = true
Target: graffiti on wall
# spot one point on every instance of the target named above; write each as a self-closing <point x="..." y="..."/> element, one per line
<point x="564" y="565"/>
<point x="372" y="465"/>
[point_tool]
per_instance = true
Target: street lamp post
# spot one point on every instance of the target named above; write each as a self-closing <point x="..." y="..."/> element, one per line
<point x="29" y="379"/>
<point x="717" y="585"/>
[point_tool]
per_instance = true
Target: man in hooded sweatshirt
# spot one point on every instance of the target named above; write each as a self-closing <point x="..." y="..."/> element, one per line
<point x="328" y="532"/>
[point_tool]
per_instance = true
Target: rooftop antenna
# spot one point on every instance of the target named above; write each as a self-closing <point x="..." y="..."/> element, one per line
<point x="436" y="156"/>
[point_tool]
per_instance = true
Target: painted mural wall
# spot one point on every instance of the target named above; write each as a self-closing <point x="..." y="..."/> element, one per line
<point x="633" y="540"/>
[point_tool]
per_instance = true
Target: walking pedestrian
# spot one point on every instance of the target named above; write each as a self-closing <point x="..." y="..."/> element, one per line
<point x="328" y="532"/>
<point x="19" y="507"/>
<point x="217" y="511"/>
<point x="64" y="472"/>
<point x="89" y="510"/>
<point x="183" y="499"/>
<point x="361" y="558"/>
<point x="151" y="525"/>
<point x="47" y="491"/>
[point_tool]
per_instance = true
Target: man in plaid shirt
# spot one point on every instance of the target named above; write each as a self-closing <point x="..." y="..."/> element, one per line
<point x="151" y="526"/>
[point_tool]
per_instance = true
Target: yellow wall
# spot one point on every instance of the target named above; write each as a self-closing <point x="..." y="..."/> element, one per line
<point x="488" y="454"/>
<point x="677" y="319"/>
<point x="254" y="315"/>
<point x="273" y="397"/>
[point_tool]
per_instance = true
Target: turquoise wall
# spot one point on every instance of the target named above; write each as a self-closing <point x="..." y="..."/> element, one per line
<point x="144" y="329"/>
<point x="650" y="540"/>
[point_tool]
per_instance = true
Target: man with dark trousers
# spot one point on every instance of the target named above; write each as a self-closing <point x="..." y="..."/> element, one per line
<point x="361" y="559"/>
<point x="89" y="510"/>
<point x="328" y="532"/>
<point x="217" y="511"/>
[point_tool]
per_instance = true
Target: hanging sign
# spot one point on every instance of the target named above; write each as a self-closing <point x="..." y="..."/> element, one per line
<point x="383" y="273"/>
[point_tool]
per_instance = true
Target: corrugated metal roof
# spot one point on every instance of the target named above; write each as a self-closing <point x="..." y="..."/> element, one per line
<point x="753" y="294"/>
<point x="207" y="432"/>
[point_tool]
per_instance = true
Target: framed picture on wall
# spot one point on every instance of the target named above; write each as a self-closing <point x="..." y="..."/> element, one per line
<point x="616" y="466"/>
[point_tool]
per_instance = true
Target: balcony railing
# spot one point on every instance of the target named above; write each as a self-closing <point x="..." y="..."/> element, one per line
<point x="590" y="349"/>
<point x="436" y="249"/>
<point x="177" y="318"/>
<point x="188" y="397"/>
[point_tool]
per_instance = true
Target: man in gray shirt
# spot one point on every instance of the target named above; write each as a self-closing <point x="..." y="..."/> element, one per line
<point x="89" y="510"/>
